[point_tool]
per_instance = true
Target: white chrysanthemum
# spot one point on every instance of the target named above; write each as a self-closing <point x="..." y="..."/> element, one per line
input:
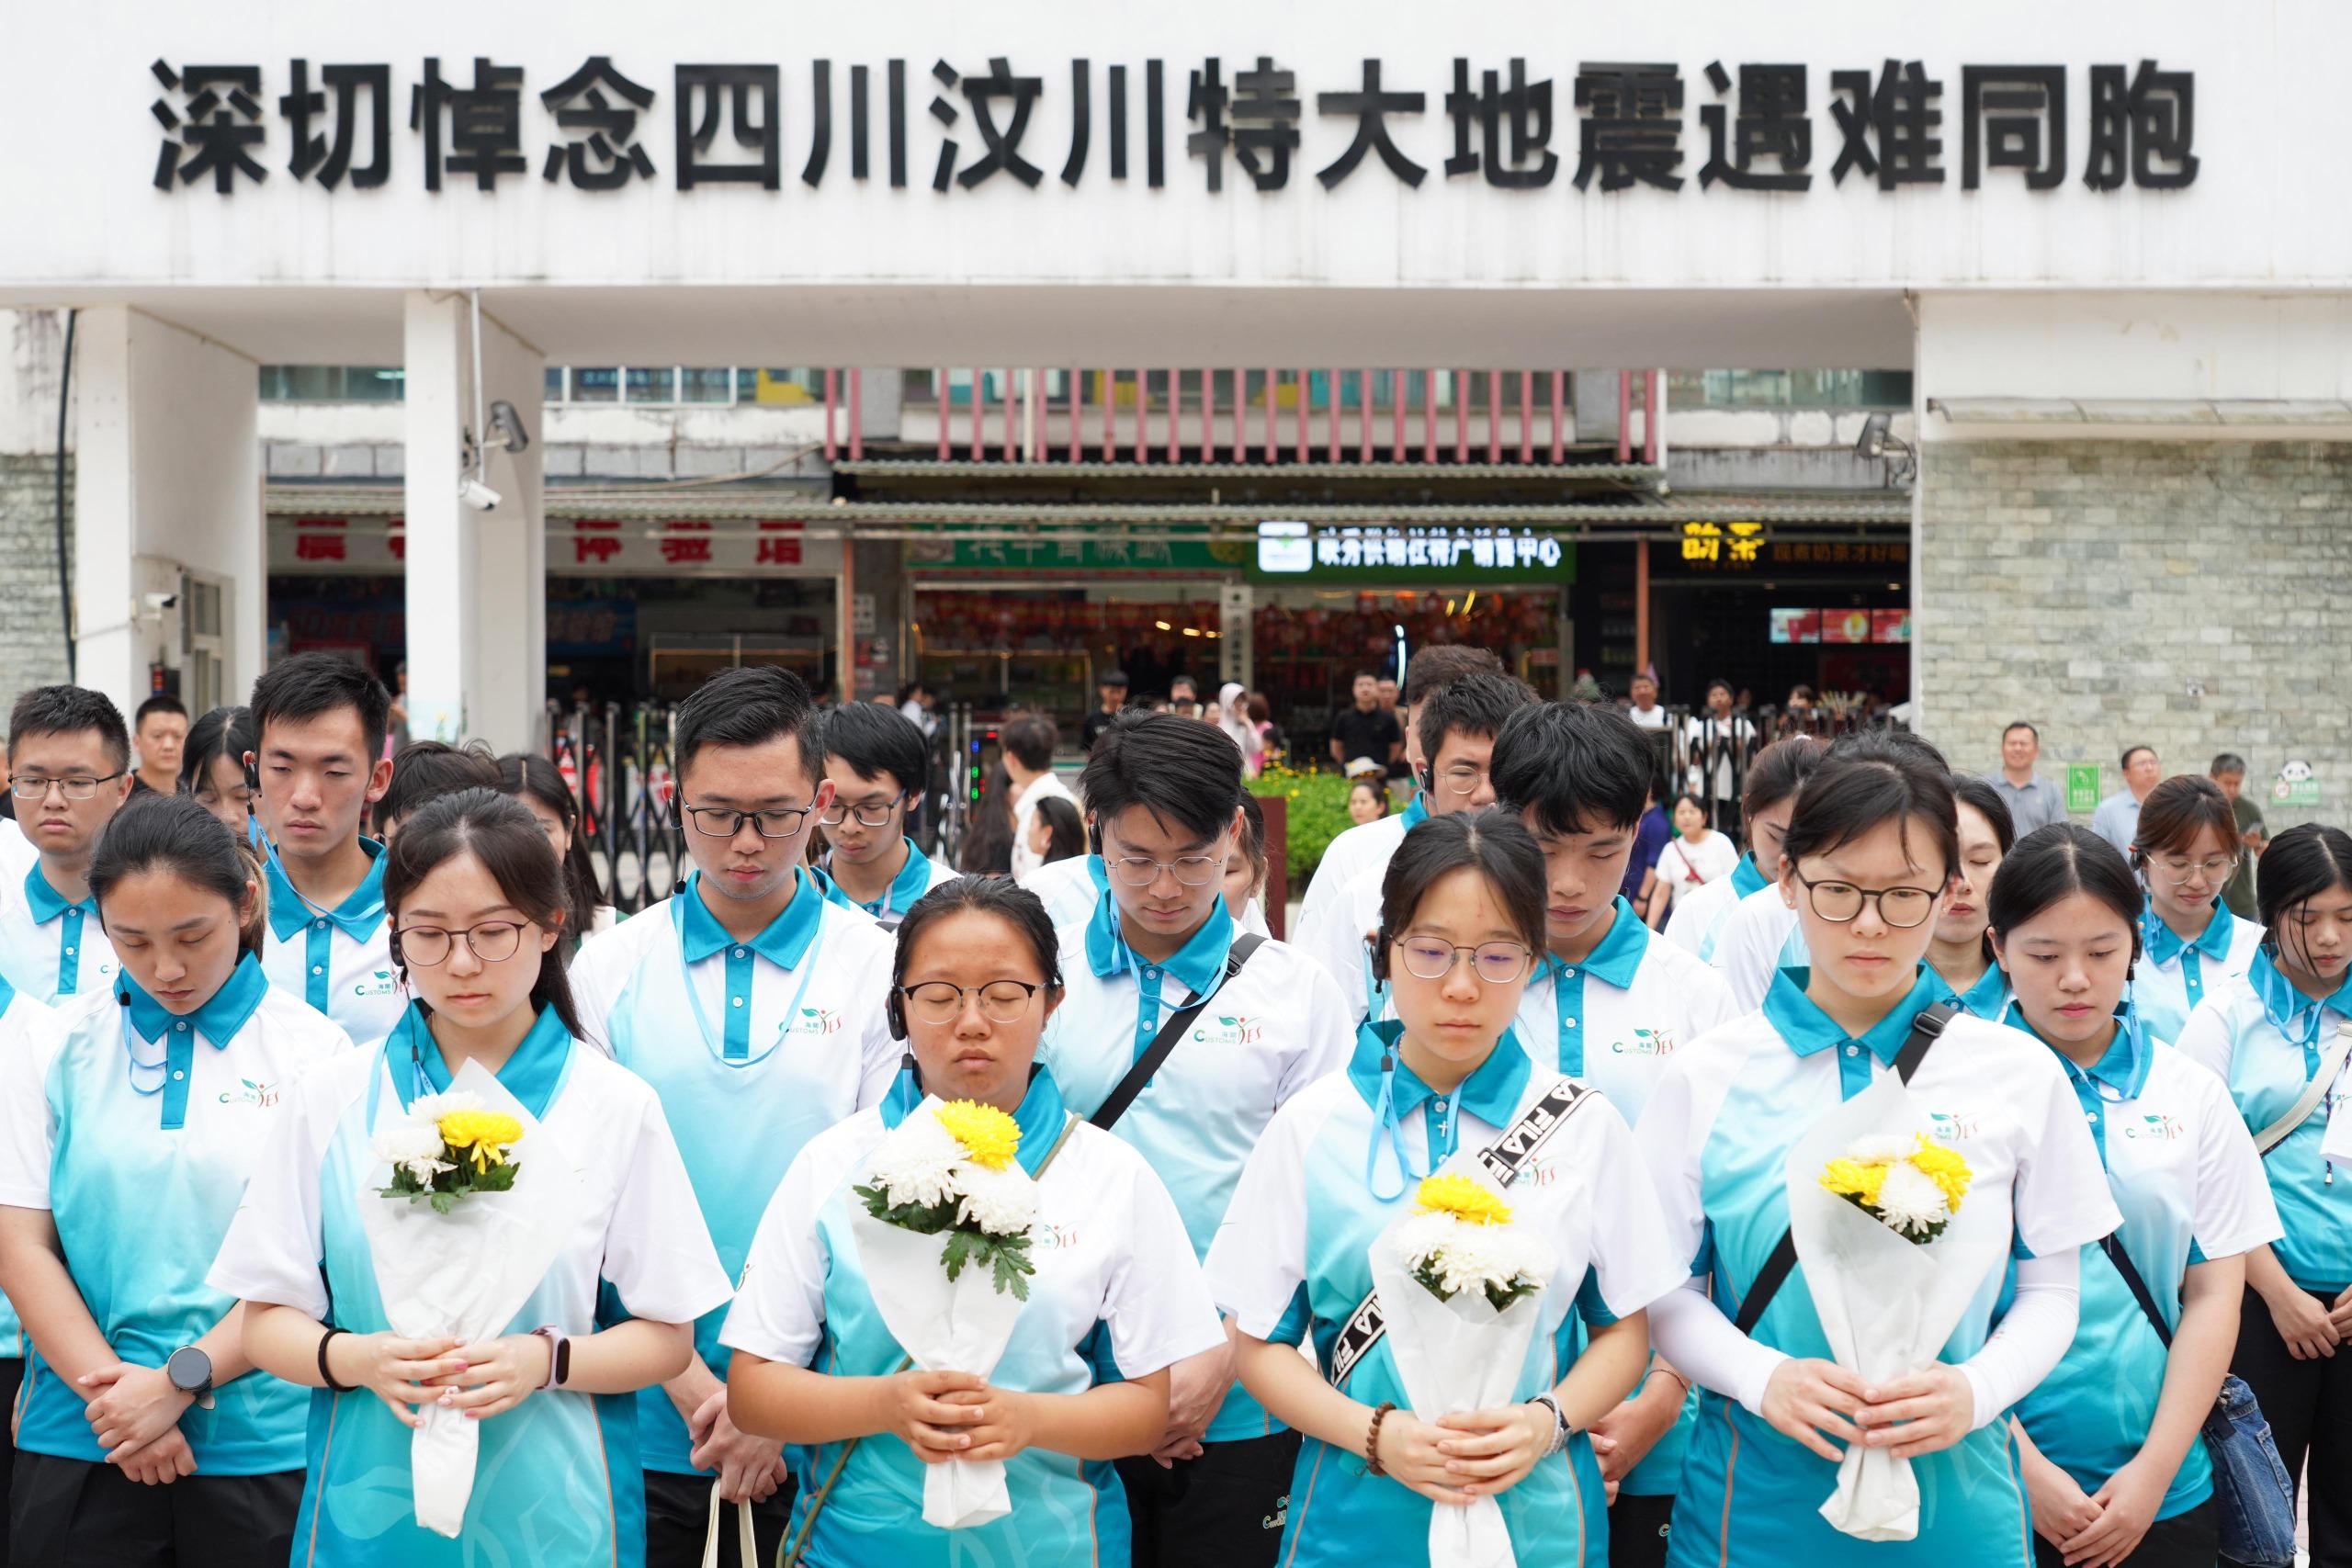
<point x="1880" y="1149"/>
<point x="1910" y="1202"/>
<point x="1472" y="1256"/>
<point x="405" y="1145"/>
<point x="918" y="1163"/>
<point x="428" y="1108"/>
<point x="1000" y="1202"/>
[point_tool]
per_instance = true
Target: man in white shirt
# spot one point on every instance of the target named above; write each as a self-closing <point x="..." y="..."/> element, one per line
<point x="1028" y="745"/>
<point x="2118" y="818"/>
<point x="1646" y="712"/>
<point x="1457" y="727"/>
<point x="1720" y="742"/>
<point x="1428" y="671"/>
<point x="69" y="755"/>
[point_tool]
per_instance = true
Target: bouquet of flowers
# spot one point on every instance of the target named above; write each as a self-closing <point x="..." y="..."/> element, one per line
<point x="949" y="1170"/>
<point x="1892" y="1256"/>
<point x="461" y="1232"/>
<point x="1461" y="1279"/>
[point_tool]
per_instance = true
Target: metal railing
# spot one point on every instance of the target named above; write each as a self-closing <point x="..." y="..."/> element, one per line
<point x="616" y="760"/>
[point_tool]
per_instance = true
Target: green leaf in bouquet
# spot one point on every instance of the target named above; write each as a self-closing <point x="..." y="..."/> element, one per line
<point x="923" y="1219"/>
<point x="961" y="1247"/>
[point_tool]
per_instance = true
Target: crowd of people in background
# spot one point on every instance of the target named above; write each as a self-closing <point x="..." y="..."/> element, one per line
<point x="1602" y="965"/>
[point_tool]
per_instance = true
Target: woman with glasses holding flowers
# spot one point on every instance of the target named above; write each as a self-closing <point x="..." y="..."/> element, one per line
<point x="477" y="903"/>
<point x="1111" y="1281"/>
<point x="1870" y="856"/>
<point x="1446" y="1081"/>
<point x="2186" y="851"/>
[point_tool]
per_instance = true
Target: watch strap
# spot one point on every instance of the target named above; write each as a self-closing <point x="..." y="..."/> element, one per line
<point x="559" y="1354"/>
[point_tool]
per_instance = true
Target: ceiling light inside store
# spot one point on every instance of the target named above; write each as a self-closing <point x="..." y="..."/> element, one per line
<point x="1163" y="626"/>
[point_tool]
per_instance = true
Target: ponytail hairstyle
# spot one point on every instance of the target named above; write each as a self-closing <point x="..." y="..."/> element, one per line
<point x="1000" y="897"/>
<point x="1066" y="833"/>
<point x="1873" y="777"/>
<point x="2054" y="863"/>
<point x="2175" y="812"/>
<point x="526" y="773"/>
<point x="1494" y="843"/>
<point x="501" y="833"/>
<point x="174" y="834"/>
<point x="2300" y="865"/>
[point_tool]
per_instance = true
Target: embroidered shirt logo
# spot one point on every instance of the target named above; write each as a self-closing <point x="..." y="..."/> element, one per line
<point x="379" y="984"/>
<point x="2165" y="1129"/>
<point x="1644" y="1043"/>
<point x="1951" y="1129"/>
<point x="262" y="1094"/>
<point x="1054" y="1238"/>
<point x="818" y="1021"/>
<point x="1231" y="1030"/>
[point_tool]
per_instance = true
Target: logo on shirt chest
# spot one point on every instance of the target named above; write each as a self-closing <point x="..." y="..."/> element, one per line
<point x="250" y="1092"/>
<point x="1644" y="1043"/>
<point x="376" y="984"/>
<point x="2159" y="1129"/>
<point x="1053" y="1238"/>
<point x="1952" y="1127"/>
<point x="818" y="1021"/>
<point x="1234" y="1030"/>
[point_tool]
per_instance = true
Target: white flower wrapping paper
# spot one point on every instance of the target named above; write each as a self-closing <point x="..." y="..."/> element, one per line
<point x="961" y="1324"/>
<point x="465" y="1274"/>
<point x="1886" y="1304"/>
<point x="1459" y="1355"/>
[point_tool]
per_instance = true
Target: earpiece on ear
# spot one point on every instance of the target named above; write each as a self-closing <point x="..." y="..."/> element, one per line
<point x="896" y="1013"/>
<point x="1380" y="957"/>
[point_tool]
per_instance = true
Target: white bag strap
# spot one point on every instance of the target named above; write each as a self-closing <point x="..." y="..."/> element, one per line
<point x="746" y="1542"/>
<point x="2330" y="1064"/>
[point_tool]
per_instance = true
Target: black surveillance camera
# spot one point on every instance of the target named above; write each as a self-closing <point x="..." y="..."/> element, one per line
<point x="509" y="426"/>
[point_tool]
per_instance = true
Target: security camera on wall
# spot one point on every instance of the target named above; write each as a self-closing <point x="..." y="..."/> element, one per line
<point x="477" y="495"/>
<point x="509" y="426"/>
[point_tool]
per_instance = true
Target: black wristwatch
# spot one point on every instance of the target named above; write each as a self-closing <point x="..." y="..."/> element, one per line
<point x="190" y="1371"/>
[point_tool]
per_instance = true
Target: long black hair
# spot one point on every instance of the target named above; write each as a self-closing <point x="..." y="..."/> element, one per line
<point x="501" y="833"/>
<point x="1870" y="778"/>
<point x="2055" y="862"/>
<point x="528" y="774"/>
<point x="988" y="828"/>
<point x="1066" y="831"/>
<point x="1967" y="789"/>
<point x="2300" y="865"/>
<point x="998" y="895"/>
<point x="175" y="834"/>
<point x="1492" y="843"/>
<point x="224" y="732"/>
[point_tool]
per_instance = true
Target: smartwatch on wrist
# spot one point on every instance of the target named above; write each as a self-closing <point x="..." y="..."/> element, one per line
<point x="559" y="1354"/>
<point x="190" y="1372"/>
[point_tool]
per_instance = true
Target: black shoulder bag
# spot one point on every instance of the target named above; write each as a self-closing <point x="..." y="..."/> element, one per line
<point x="1170" y="1032"/>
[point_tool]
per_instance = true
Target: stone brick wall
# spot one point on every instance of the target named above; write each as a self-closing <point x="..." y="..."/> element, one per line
<point x="32" y="637"/>
<point x="2195" y="597"/>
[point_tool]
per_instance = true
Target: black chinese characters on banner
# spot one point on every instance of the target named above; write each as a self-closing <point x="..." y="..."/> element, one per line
<point x="1499" y="117"/>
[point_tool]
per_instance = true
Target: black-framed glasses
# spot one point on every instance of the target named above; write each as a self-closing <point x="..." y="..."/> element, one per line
<point x="74" y="787"/>
<point x="492" y="942"/>
<point x="941" y="1001"/>
<point x="873" y="814"/>
<point x="1495" y="962"/>
<point x="1840" y="902"/>
<point x="725" y="821"/>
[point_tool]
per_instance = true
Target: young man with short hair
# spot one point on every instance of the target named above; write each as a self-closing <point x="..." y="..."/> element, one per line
<point x="880" y="767"/>
<point x="1028" y="745"/>
<point x="1166" y="794"/>
<point x="2228" y="771"/>
<point x="1428" y="671"/>
<point x="1720" y="741"/>
<point x="2033" y="802"/>
<point x="1458" y="727"/>
<point x="755" y="1008"/>
<point x="69" y="763"/>
<point x="1110" y="694"/>
<point x="160" y="726"/>
<point x="318" y="765"/>
<point x="1609" y="1004"/>
<point x="1366" y="729"/>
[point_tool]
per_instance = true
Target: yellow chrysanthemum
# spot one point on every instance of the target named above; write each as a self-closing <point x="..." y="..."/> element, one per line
<point x="1854" y="1179"/>
<point x="1462" y="1197"/>
<point x="990" y="1136"/>
<point x="483" y="1136"/>
<point x="1946" y="1168"/>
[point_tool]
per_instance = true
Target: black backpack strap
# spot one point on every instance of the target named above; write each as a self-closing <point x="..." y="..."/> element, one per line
<point x="2112" y="1245"/>
<point x="1925" y="1030"/>
<point x="1171" y="1031"/>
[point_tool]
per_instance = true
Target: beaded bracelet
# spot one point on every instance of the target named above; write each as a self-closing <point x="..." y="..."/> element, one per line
<point x="1371" y="1442"/>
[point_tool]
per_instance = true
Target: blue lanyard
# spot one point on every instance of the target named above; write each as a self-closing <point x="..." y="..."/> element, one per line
<point x="716" y="1043"/>
<point x="159" y="1067"/>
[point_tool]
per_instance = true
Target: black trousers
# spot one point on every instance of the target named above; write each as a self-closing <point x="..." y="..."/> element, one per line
<point x="1637" y="1531"/>
<point x="69" y="1513"/>
<point x="2308" y="1406"/>
<point x="2186" y="1541"/>
<point x="1224" y="1510"/>
<point x="12" y="1378"/>
<point x="677" y="1517"/>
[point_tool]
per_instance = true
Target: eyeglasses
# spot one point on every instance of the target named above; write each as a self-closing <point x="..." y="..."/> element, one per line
<point x="1192" y="871"/>
<point x="1838" y="902"/>
<point x="492" y="942"/>
<point x="2212" y="868"/>
<point x="1459" y="780"/>
<point x="79" y="786"/>
<point x="1495" y="962"/>
<point x="873" y="814"/>
<point x="939" y="1001"/>
<point x="725" y="822"/>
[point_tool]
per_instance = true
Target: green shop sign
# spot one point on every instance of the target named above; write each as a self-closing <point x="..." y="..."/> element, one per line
<point x="1371" y="554"/>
